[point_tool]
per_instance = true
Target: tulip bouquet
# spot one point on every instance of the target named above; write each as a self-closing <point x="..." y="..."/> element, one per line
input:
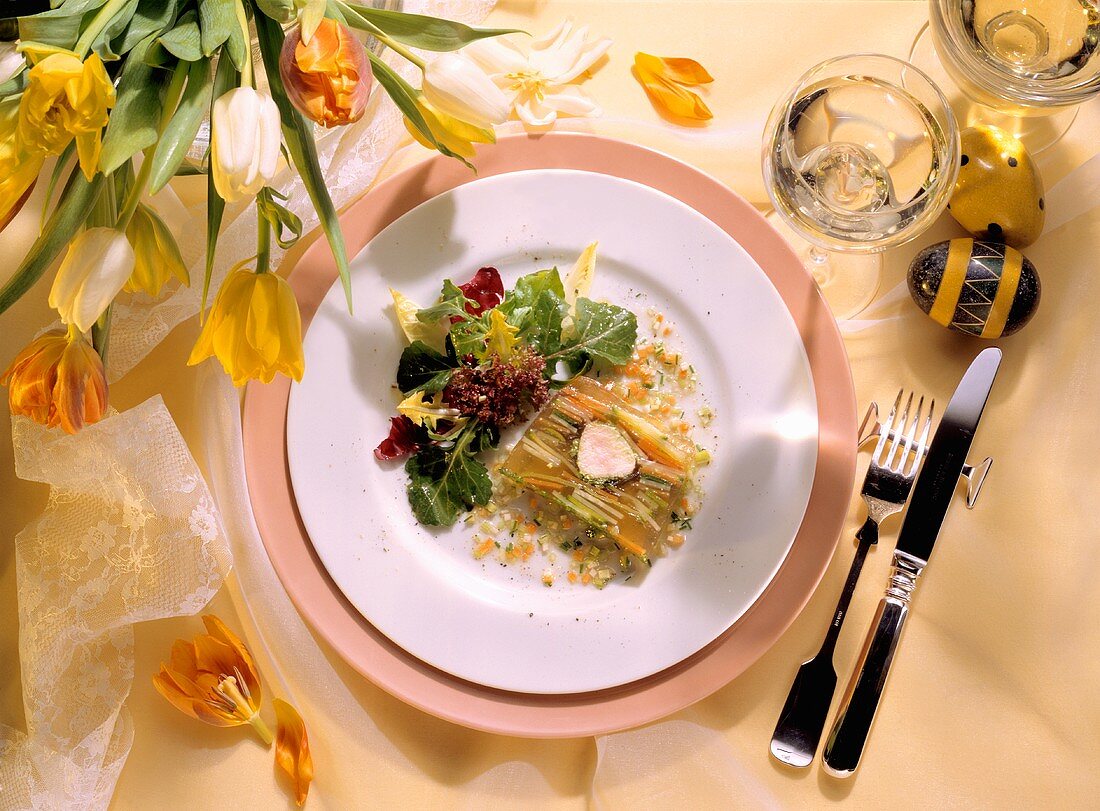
<point x="115" y="93"/>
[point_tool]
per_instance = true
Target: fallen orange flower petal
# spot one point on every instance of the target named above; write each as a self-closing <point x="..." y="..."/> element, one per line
<point x="213" y="678"/>
<point x="677" y="69"/>
<point x="662" y="79"/>
<point x="292" y="749"/>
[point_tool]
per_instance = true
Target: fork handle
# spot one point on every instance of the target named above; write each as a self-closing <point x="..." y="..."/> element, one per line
<point x="867" y="536"/>
<point x="859" y="706"/>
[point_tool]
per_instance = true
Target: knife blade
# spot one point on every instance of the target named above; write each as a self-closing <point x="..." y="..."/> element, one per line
<point x="946" y="457"/>
<point x="931" y="499"/>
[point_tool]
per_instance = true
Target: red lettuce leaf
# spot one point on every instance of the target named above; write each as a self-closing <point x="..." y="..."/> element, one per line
<point x="486" y="290"/>
<point x="405" y="438"/>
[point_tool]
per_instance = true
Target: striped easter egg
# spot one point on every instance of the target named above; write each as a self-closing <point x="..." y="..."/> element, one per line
<point x="979" y="288"/>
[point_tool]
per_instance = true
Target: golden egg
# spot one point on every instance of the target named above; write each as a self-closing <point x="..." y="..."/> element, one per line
<point x="999" y="193"/>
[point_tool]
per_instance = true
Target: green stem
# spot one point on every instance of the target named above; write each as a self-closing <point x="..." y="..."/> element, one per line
<point x="246" y="68"/>
<point x="263" y="242"/>
<point x="98" y="23"/>
<point x="101" y="334"/>
<point x="380" y="35"/>
<point x="171" y="101"/>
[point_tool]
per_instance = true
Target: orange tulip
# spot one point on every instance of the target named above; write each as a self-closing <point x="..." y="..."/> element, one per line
<point x="292" y="749"/>
<point x="329" y="79"/>
<point x="213" y="678"/>
<point x="58" y="379"/>
<point x="665" y="80"/>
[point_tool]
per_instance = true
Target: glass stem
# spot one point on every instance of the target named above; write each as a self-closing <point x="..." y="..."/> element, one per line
<point x="820" y="266"/>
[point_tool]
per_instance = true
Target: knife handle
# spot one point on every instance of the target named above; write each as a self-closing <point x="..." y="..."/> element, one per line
<point x="860" y="703"/>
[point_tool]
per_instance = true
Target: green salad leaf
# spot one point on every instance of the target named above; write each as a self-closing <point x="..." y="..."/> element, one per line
<point x="452" y="302"/>
<point x="422" y="368"/>
<point x="445" y="482"/>
<point x="601" y="330"/>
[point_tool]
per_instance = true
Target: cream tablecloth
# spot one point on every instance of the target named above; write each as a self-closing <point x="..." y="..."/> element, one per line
<point x="993" y="701"/>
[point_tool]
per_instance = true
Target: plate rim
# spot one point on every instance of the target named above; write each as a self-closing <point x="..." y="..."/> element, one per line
<point x="388" y="666"/>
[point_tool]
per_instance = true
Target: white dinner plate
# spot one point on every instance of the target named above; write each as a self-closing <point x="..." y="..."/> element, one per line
<point x="499" y="625"/>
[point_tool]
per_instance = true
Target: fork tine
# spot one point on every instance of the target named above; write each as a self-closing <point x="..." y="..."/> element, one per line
<point x="909" y="434"/>
<point x="898" y="432"/>
<point x="922" y="443"/>
<point x="884" y="430"/>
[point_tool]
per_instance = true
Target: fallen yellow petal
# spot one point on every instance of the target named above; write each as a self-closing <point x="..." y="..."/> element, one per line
<point x="292" y="749"/>
<point x="671" y="98"/>
<point x="677" y="69"/>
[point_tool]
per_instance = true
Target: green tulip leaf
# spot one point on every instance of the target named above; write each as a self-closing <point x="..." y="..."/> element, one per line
<point x="420" y="31"/>
<point x="298" y="136"/>
<point x="77" y="199"/>
<point x="151" y="16"/>
<point x="180" y="132"/>
<point x="55" y="176"/>
<point x="59" y="26"/>
<point x="218" y="21"/>
<point x="135" y="120"/>
<point x="185" y="40"/>
<point x="226" y="78"/>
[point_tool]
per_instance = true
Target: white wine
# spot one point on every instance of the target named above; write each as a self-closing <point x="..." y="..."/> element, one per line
<point x="855" y="159"/>
<point x="1023" y="57"/>
<point x="1039" y="39"/>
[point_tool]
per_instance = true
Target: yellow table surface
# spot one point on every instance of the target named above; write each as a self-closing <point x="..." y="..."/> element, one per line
<point x="993" y="700"/>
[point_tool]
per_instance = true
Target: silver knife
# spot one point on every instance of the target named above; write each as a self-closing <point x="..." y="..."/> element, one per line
<point x="931" y="498"/>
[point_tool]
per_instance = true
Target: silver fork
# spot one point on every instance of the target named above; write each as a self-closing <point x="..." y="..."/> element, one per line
<point x="885" y="490"/>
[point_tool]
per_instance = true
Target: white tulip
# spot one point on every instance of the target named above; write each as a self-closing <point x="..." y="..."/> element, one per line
<point x="11" y="61"/>
<point x="456" y="86"/>
<point x="244" y="142"/>
<point x="94" y="269"/>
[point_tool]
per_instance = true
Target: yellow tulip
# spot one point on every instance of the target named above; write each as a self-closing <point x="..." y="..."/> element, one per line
<point x="254" y="329"/>
<point x="453" y="133"/>
<point x="58" y="379"/>
<point x="292" y="749"/>
<point x="66" y="99"/>
<point x="213" y="678"/>
<point x="156" y="255"/>
<point x="18" y="168"/>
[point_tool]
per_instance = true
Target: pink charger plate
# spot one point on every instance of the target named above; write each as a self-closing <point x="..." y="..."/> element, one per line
<point x="322" y="603"/>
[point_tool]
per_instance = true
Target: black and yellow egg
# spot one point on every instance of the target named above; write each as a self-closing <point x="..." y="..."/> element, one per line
<point x="999" y="194"/>
<point x="980" y="288"/>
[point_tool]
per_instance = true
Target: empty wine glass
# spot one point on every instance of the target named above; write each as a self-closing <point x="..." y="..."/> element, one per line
<point x="861" y="155"/>
<point x="1021" y="65"/>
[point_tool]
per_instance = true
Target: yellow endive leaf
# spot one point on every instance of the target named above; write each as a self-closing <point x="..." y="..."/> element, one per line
<point x="415" y="329"/>
<point x="501" y="339"/>
<point x="672" y="99"/>
<point x="292" y="749"/>
<point x="423" y="411"/>
<point x="579" y="281"/>
<point x="677" y="69"/>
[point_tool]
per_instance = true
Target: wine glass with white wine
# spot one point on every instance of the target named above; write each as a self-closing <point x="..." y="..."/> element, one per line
<point x="1021" y="65"/>
<point x="859" y="156"/>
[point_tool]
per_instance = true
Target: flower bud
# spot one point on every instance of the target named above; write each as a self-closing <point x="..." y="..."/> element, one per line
<point x="329" y="79"/>
<point x="94" y="269"/>
<point x="455" y="86"/>
<point x="156" y="254"/>
<point x="245" y="136"/>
